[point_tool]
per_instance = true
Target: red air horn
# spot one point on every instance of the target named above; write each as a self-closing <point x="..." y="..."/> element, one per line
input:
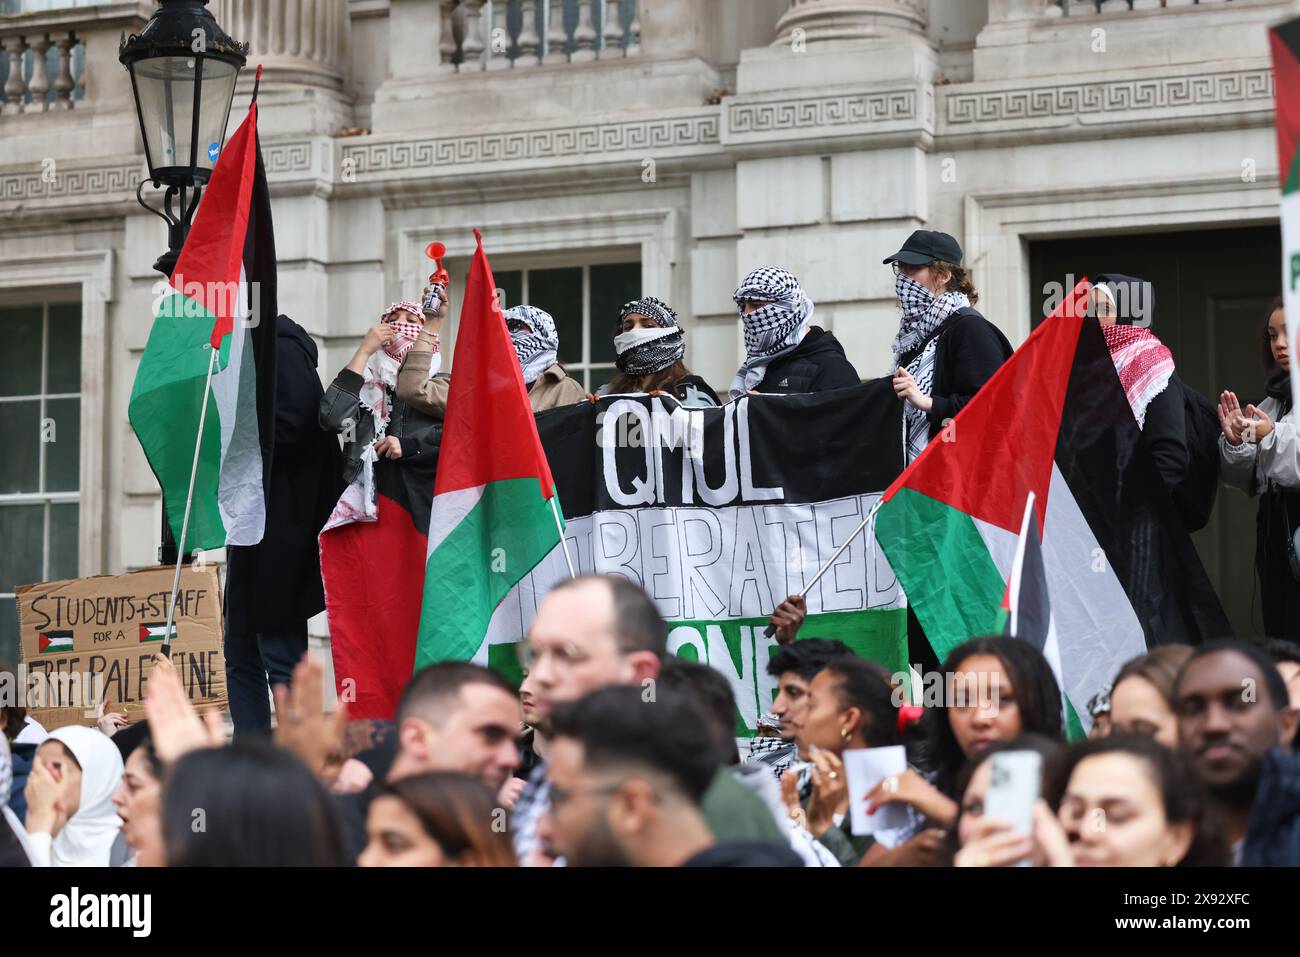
<point x="438" y="279"/>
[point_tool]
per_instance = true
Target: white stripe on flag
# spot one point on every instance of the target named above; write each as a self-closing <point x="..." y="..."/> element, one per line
<point x="240" y="495"/>
<point x="449" y="510"/>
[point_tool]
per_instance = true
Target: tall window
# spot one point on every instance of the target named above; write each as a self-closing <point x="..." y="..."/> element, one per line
<point x="584" y="301"/>
<point x="40" y="433"/>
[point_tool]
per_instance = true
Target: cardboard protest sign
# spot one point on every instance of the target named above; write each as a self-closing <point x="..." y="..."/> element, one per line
<point x="87" y="640"/>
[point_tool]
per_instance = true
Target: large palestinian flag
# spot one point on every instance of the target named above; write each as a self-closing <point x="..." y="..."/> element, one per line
<point x="221" y="296"/>
<point x="1285" y="41"/>
<point x="1122" y="573"/>
<point x="493" y="517"/>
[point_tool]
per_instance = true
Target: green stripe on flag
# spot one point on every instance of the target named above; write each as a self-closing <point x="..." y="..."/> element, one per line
<point x="170" y="385"/>
<point x="507" y="532"/>
<point x="944" y="568"/>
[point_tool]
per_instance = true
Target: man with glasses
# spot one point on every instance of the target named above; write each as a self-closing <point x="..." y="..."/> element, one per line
<point x="627" y="777"/>
<point x="591" y="632"/>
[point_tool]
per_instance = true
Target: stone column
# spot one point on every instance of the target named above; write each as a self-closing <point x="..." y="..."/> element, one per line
<point x="852" y="19"/>
<point x="301" y="42"/>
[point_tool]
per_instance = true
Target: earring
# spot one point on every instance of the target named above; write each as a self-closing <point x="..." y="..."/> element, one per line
<point x="845" y="735"/>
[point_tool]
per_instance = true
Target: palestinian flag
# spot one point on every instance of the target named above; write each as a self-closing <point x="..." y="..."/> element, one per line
<point x="1028" y="606"/>
<point x="221" y="296"/>
<point x="493" y="518"/>
<point x="1119" y="565"/>
<point x="52" y="642"/>
<point x="156" y="631"/>
<point x="1285" y="41"/>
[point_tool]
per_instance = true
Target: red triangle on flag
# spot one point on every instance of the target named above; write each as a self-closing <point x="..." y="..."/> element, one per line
<point x="1002" y="444"/>
<point x="43" y="641"/>
<point x="489" y="420"/>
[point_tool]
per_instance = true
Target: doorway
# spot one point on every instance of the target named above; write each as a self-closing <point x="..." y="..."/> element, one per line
<point x="1211" y="288"/>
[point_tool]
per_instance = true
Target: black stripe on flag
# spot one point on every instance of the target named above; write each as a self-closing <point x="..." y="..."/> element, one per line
<point x="1105" y="462"/>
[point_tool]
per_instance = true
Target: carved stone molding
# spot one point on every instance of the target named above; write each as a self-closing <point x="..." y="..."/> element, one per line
<point x="586" y="140"/>
<point x="1090" y="100"/>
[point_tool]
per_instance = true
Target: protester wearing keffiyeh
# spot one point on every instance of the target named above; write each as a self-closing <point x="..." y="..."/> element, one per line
<point x="379" y="380"/>
<point x="774" y="328"/>
<point x="646" y="351"/>
<point x="537" y="345"/>
<point x="914" y="348"/>
<point x="1144" y="364"/>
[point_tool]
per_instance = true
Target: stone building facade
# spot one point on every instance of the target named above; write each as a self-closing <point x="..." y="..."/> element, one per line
<point x="607" y="148"/>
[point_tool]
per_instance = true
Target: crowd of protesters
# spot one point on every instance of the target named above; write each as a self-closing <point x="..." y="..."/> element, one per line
<point x="613" y="751"/>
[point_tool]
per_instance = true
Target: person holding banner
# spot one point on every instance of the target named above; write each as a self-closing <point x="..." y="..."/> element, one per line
<point x="945" y="350"/>
<point x="784" y="352"/>
<point x="1260" y="453"/>
<point x="537" y="345"/>
<point x="650" y="344"/>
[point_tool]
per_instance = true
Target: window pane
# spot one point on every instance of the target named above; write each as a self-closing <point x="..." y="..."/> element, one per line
<point x="9" y="632"/>
<point x="600" y="375"/>
<point x="511" y="285"/>
<point x="64" y="374"/>
<point x="22" y="529"/>
<point x="559" y="292"/>
<point x="20" y="437"/>
<point x="61" y="434"/>
<point x="611" y="286"/>
<point x="20" y="359"/>
<point x="63" y="541"/>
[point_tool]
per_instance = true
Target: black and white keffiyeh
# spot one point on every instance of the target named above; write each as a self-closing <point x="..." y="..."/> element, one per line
<point x="644" y="351"/>
<point x="923" y="313"/>
<point x="537" y="349"/>
<point x="771" y="330"/>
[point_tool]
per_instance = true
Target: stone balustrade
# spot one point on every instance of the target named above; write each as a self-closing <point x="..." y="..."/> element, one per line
<point x="504" y="34"/>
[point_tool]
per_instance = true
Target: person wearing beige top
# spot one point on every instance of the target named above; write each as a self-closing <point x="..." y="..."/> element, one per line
<point x="536" y="344"/>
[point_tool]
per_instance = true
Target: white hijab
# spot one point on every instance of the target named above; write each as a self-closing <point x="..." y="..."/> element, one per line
<point x="87" y="839"/>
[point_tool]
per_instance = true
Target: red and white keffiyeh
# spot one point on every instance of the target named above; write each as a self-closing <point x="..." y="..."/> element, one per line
<point x="1143" y="362"/>
<point x="379" y="382"/>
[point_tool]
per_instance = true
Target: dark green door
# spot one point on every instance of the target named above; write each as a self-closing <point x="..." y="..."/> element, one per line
<point x="1211" y="289"/>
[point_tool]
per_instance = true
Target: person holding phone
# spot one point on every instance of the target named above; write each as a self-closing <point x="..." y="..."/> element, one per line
<point x="1003" y="820"/>
<point x="1001" y="688"/>
<point x="1259" y="452"/>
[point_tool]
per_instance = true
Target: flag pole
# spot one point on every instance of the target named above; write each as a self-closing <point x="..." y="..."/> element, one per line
<point x="771" y="629"/>
<point x="559" y="526"/>
<point x="189" y="500"/>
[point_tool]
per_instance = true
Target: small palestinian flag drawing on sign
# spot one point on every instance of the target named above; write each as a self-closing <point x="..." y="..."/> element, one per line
<point x="155" y="630"/>
<point x="52" y="642"/>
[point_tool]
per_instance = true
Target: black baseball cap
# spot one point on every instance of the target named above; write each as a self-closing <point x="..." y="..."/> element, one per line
<point x="926" y="246"/>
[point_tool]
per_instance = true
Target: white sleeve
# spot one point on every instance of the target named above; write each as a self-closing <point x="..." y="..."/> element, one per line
<point x="1279" y="455"/>
<point x="39" y="845"/>
<point x="1237" y="463"/>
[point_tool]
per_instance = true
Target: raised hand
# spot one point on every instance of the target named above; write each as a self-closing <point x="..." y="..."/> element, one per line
<point x="174" y="725"/>
<point x="302" y="725"/>
<point x="788" y="619"/>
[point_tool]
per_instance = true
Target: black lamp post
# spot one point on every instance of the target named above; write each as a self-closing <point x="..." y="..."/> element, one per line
<point x="183" y="69"/>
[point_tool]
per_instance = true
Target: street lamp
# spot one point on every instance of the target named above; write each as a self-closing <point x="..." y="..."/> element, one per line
<point x="183" y="69"/>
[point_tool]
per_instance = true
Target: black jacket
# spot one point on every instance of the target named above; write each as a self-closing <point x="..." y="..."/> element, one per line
<point x="745" y="854"/>
<point x="1165" y="432"/>
<point x="817" y="364"/>
<point x="276" y="584"/>
<point x="1273" y="830"/>
<point x="969" y="351"/>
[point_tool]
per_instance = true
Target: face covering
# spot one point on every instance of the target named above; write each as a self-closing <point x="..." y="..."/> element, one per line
<point x="923" y="313"/>
<point x="536" y="349"/>
<point x="645" y="351"/>
<point x="774" y="328"/>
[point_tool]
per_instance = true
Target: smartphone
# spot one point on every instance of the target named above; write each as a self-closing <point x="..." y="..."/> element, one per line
<point x="1013" y="790"/>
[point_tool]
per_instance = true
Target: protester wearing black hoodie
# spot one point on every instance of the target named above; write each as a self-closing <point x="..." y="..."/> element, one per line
<point x="274" y="587"/>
